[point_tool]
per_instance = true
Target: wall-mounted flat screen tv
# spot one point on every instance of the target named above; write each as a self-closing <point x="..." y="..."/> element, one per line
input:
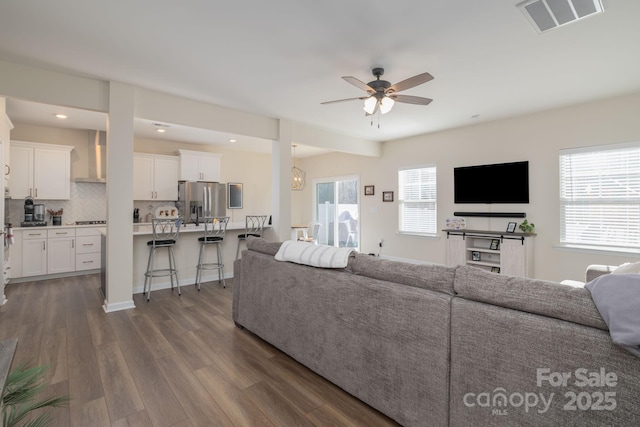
<point x="496" y="183"/>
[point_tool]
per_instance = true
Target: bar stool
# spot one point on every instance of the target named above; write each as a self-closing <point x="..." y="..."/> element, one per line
<point x="254" y="226"/>
<point x="165" y="235"/>
<point x="214" y="229"/>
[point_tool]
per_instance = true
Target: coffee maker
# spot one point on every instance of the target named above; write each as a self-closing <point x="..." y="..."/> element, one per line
<point x="33" y="214"/>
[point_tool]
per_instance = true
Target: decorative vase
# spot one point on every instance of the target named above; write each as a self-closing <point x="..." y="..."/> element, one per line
<point x="57" y="219"/>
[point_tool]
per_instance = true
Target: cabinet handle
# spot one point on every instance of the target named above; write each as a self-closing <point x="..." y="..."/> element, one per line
<point x="36" y="193"/>
<point x="44" y="246"/>
<point x="87" y="244"/>
<point x="87" y="262"/>
<point x="73" y="243"/>
<point x="31" y="192"/>
<point x="8" y="172"/>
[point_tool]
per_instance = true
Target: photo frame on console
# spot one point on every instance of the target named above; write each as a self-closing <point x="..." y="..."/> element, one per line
<point x="511" y="227"/>
<point x="495" y="244"/>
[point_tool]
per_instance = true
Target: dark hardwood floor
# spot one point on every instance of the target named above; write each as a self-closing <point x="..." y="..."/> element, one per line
<point x="175" y="361"/>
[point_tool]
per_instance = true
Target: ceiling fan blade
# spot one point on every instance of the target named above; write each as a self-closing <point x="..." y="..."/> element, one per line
<point x="343" y="100"/>
<point x="418" y="100"/>
<point x="359" y="84"/>
<point x="410" y="82"/>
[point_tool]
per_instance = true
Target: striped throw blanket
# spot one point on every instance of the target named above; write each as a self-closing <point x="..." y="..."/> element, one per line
<point x="314" y="255"/>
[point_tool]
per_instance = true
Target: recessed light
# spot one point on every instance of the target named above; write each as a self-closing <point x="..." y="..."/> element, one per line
<point x="161" y="130"/>
<point x="232" y="140"/>
<point x="61" y="116"/>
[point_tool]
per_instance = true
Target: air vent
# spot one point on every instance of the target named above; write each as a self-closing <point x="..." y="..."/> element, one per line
<point x="545" y="15"/>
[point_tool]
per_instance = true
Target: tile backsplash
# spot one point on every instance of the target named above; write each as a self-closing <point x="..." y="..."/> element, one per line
<point x="88" y="202"/>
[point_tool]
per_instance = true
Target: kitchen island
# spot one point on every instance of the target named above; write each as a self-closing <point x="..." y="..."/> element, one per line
<point x="186" y="253"/>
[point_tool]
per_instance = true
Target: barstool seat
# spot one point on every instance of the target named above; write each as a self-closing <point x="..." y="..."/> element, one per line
<point x="214" y="229"/>
<point x="165" y="235"/>
<point x="254" y="226"/>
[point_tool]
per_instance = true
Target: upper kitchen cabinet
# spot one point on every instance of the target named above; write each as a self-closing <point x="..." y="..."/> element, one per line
<point x="155" y="177"/>
<point x="199" y="166"/>
<point x="42" y="171"/>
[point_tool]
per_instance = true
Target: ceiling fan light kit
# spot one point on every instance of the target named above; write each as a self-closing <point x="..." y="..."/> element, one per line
<point x="382" y="95"/>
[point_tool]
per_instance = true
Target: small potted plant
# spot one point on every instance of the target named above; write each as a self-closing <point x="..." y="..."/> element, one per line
<point x="56" y="216"/>
<point x="526" y="226"/>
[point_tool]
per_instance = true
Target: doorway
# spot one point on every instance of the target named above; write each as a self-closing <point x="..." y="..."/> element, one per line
<point x="337" y="209"/>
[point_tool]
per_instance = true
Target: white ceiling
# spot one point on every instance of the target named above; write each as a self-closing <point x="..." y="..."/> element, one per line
<point x="283" y="58"/>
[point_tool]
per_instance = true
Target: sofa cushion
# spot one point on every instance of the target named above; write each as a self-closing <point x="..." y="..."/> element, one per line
<point x="264" y="246"/>
<point x="426" y="276"/>
<point x="499" y="351"/>
<point x="531" y="295"/>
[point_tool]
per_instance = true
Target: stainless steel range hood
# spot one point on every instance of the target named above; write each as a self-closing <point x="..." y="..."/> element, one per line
<point x="97" y="158"/>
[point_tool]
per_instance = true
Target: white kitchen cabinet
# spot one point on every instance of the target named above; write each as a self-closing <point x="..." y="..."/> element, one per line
<point x="61" y="251"/>
<point x="499" y="252"/>
<point x="42" y="171"/>
<point x="34" y="252"/>
<point x="88" y="249"/>
<point x="199" y="166"/>
<point x="155" y="177"/>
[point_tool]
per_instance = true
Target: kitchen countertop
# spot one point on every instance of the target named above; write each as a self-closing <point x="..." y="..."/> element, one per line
<point x="47" y="227"/>
<point x="143" y="228"/>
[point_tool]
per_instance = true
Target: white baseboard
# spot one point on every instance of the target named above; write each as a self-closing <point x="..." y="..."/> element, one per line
<point x="125" y="305"/>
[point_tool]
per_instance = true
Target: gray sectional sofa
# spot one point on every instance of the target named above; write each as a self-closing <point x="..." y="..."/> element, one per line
<point x="429" y="345"/>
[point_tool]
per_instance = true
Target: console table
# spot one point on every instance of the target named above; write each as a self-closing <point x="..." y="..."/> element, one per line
<point x="496" y="251"/>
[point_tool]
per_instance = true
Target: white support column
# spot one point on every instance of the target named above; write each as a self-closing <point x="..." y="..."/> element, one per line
<point x="281" y="181"/>
<point x="119" y="286"/>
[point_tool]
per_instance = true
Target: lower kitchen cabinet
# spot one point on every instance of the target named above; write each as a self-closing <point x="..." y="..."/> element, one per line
<point x="34" y="253"/>
<point x="61" y="254"/>
<point x="88" y="251"/>
<point x="54" y="250"/>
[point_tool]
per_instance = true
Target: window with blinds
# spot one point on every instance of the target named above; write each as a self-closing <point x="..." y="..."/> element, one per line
<point x="417" y="200"/>
<point x="600" y="196"/>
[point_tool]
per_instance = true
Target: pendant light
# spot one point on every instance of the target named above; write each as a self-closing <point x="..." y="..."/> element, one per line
<point x="297" y="175"/>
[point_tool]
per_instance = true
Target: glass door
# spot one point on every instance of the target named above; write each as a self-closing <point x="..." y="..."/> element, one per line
<point x="337" y="209"/>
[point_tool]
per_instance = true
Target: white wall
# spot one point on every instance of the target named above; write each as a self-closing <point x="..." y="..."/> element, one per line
<point x="536" y="138"/>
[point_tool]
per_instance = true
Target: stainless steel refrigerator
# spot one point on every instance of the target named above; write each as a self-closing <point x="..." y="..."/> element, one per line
<point x="197" y="199"/>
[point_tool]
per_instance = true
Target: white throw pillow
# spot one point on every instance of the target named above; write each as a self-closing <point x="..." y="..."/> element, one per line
<point x="628" y="268"/>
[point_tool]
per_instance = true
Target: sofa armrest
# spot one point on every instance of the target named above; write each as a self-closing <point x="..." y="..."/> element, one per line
<point x="597" y="270"/>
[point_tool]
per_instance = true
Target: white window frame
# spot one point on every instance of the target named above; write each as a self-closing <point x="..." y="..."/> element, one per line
<point x="600" y="197"/>
<point x="403" y="201"/>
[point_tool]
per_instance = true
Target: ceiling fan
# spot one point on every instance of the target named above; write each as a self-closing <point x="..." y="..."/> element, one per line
<point x="382" y="95"/>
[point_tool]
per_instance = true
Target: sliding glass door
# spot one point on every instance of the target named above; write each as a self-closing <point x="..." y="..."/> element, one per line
<point x="337" y="209"/>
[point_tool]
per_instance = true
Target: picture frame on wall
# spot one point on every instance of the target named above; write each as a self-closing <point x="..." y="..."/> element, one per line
<point x="234" y="196"/>
<point x="369" y="190"/>
<point x="511" y="227"/>
<point x="387" y="196"/>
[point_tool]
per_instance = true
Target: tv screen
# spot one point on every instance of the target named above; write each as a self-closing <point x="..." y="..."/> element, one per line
<point x="497" y="183"/>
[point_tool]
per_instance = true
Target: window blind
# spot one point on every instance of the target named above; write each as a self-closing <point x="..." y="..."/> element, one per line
<point x="600" y="196"/>
<point x="417" y="200"/>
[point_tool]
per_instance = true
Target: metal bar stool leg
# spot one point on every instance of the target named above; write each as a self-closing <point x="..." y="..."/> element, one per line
<point x="150" y="272"/>
<point x="146" y="274"/>
<point x="173" y="270"/>
<point x="220" y="267"/>
<point x="199" y="267"/>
